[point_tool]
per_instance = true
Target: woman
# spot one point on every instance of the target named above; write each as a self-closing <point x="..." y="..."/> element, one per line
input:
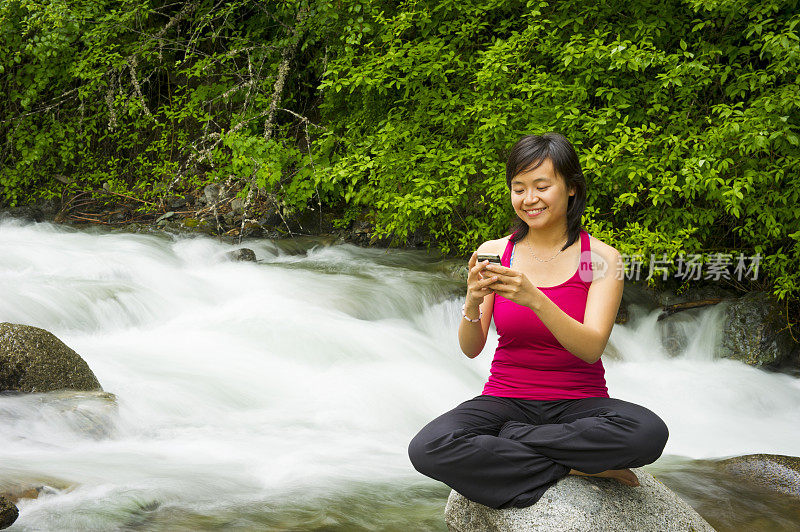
<point x="545" y="411"/>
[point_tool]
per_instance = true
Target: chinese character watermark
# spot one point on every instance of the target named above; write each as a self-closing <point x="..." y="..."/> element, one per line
<point x="690" y="267"/>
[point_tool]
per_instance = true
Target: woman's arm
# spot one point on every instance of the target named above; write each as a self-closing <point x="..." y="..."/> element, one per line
<point x="586" y="340"/>
<point x="472" y="335"/>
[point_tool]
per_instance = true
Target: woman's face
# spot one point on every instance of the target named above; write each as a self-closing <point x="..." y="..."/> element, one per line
<point x="540" y="196"/>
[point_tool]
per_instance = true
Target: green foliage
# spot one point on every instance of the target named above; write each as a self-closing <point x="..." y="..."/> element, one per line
<point x="685" y="117"/>
<point x="136" y="95"/>
<point x="686" y="114"/>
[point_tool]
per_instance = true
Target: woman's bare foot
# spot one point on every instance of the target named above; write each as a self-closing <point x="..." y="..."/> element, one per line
<point x="625" y="476"/>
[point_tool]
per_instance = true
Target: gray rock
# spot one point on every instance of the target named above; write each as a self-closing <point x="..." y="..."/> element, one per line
<point x="177" y="203"/>
<point x="611" y="352"/>
<point x="34" y="360"/>
<point x="271" y="220"/>
<point x="8" y="513"/>
<point x="89" y="414"/>
<point x="458" y="271"/>
<point x="243" y="254"/>
<point x="237" y="205"/>
<point x="638" y="293"/>
<point x="28" y="213"/>
<point x="252" y="229"/>
<point x="165" y="216"/>
<point x="580" y="504"/>
<point x="211" y="193"/>
<point x="119" y="216"/>
<point x="706" y="291"/>
<point x="773" y="471"/>
<point x="754" y="332"/>
<point x="675" y="331"/>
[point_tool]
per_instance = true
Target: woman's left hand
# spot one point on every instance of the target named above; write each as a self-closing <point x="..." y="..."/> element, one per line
<point x="513" y="285"/>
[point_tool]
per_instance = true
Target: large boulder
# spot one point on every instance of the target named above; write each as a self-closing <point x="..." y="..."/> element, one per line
<point x="34" y="360"/>
<point x="755" y="332"/>
<point x="773" y="471"/>
<point x="578" y="504"/>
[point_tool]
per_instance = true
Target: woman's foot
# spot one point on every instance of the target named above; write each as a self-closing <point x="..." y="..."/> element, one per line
<point x="625" y="476"/>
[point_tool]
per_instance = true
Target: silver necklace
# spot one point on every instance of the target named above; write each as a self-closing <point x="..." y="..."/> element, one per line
<point x="548" y="260"/>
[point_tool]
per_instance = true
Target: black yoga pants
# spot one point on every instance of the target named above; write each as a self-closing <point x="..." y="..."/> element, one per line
<point x="504" y="452"/>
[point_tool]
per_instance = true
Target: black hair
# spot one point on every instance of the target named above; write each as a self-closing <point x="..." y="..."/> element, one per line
<point x="531" y="151"/>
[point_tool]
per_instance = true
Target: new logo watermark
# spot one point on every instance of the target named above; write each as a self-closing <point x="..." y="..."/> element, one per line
<point x="691" y="267"/>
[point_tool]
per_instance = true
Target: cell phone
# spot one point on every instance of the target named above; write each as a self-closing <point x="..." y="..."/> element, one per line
<point x="491" y="257"/>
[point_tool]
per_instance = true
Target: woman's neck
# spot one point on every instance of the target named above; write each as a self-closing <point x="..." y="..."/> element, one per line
<point x="546" y="239"/>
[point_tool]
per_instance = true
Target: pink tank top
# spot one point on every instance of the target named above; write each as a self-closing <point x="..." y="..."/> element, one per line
<point x="529" y="362"/>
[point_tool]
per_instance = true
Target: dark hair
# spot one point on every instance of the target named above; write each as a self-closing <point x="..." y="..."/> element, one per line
<point x="528" y="153"/>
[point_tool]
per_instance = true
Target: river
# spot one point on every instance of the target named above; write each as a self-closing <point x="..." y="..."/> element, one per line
<point x="282" y="394"/>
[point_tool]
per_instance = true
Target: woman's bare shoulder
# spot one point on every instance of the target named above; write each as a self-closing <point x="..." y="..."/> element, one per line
<point x="494" y="246"/>
<point x="604" y="250"/>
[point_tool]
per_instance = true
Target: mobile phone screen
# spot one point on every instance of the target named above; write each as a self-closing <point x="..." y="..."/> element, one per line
<point x="491" y="257"/>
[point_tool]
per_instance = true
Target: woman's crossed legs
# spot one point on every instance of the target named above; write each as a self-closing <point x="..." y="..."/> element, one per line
<point x="504" y="452"/>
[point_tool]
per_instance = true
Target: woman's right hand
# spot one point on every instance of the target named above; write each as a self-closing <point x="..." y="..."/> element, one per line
<point x="477" y="284"/>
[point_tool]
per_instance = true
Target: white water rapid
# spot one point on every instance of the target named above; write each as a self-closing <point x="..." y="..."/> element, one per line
<point x="282" y="394"/>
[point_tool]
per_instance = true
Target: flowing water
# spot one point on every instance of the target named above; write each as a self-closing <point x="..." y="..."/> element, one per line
<point x="282" y="394"/>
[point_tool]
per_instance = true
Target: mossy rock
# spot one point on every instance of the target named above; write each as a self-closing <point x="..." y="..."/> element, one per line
<point x="34" y="360"/>
<point x="8" y="513"/>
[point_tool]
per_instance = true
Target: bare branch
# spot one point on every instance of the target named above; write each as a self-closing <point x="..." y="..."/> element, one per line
<point x="302" y="118"/>
<point x="136" y="88"/>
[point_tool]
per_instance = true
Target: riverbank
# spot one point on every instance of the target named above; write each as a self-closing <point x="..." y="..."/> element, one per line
<point x="210" y="211"/>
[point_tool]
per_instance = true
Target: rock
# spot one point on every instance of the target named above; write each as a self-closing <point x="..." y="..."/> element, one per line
<point x="211" y="193"/>
<point x="91" y="414"/>
<point x="362" y="227"/>
<point x="15" y="491"/>
<point x="675" y="331"/>
<point x="34" y="360"/>
<point x="773" y="471"/>
<point x="754" y="333"/>
<point x="171" y="226"/>
<point x="165" y="216"/>
<point x="622" y="316"/>
<point x="241" y="254"/>
<point x="418" y="238"/>
<point x="706" y="291"/>
<point x="8" y="513"/>
<point x="458" y="271"/>
<point x="237" y="205"/>
<point x="253" y="230"/>
<point x="30" y="492"/>
<point x="118" y="217"/>
<point x="29" y="213"/>
<point x="639" y="294"/>
<point x="177" y="203"/>
<point x="611" y="352"/>
<point x="271" y="220"/>
<point x="579" y="504"/>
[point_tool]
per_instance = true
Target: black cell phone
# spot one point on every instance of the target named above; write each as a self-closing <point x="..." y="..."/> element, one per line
<point x="491" y="257"/>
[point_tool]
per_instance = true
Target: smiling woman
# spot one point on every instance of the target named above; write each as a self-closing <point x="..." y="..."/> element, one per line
<point x="545" y="411"/>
